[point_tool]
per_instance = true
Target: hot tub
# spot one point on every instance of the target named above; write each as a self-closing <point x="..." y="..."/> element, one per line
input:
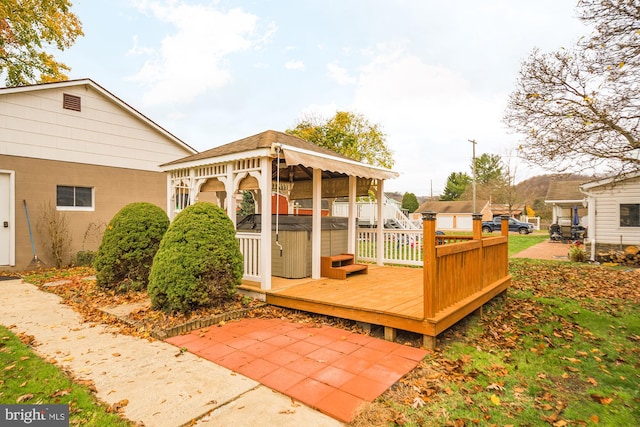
<point x="294" y="235"/>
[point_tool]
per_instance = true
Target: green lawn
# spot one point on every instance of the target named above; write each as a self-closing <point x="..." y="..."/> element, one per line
<point x="27" y="379"/>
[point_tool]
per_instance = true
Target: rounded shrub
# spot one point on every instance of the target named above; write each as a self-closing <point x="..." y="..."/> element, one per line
<point x="128" y="246"/>
<point x="199" y="263"/>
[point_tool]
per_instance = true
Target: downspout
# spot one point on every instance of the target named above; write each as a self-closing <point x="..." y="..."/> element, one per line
<point x="591" y="231"/>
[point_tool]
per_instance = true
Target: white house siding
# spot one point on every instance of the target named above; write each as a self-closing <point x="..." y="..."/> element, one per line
<point x="607" y="212"/>
<point x="107" y="146"/>
<point x="34" y="124"/>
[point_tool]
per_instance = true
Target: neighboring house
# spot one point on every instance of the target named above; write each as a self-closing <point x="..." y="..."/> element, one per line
<point x="564" y="197"/>
<point x="516" y="211"/>
<point x="455" y="215"/>
<point x="367" y="213"/>
<point x="614" y="211"/>
<point x="75" y="148"/>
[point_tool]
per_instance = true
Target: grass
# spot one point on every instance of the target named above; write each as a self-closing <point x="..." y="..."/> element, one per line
<point x="27" y="379"/>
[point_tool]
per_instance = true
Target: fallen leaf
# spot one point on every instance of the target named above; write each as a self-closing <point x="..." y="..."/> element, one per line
<point x="61" y="392"/>
<point x="417" y="403"/>
<point x="601" y="399"/>
<point x="594" y="419"/>
<point x="592" y="381"/>
<point x="495" y="386"/>
<point x="24" y="398"/>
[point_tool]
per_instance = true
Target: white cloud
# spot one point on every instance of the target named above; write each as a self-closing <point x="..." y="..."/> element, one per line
<point x="136" y="49"/>
<point x="428" y="113"/>
<point x="339" y="74"/>
<point x="294" y="65"/>
<point x="194" y="58"/>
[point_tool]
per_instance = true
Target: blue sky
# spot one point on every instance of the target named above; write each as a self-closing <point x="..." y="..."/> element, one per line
<point x="432" y="73"/>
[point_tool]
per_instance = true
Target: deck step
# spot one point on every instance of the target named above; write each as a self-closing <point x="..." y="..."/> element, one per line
<point x="339" y="266"/>
<point x="341" y="257"/>
<point x="352" y="268"/>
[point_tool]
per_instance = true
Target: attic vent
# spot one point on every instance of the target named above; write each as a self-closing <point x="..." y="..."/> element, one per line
<point x="71" y="102"/>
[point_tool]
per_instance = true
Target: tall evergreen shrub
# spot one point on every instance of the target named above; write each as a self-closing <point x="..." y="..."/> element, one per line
<point x="128" y="246"/>
<point x="199" y="263"/>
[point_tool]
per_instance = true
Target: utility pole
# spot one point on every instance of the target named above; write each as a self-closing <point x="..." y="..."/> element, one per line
<point x="473" y="167"/>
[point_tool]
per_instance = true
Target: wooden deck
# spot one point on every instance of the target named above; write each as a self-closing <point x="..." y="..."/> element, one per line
<point x="459" y="279"/>
<point x="388" y="296"/>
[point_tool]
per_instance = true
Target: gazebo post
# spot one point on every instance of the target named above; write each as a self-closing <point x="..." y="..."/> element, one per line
<point x="380" y="229"/>
<point x="316" y="228"/>
<point x="352" y="219"/>
<point x="265" y="223"/>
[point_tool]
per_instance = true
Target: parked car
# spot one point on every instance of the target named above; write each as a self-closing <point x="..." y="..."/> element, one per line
<point x="514" y="225"/>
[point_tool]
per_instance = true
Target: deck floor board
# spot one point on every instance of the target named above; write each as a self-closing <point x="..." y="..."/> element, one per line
<point x="390" y="292"/>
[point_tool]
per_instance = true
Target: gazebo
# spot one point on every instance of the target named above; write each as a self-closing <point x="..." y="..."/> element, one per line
<point x="274" y="162"/>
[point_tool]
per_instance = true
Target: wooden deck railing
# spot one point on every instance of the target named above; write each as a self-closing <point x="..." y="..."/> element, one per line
<point x="454" y="272"/>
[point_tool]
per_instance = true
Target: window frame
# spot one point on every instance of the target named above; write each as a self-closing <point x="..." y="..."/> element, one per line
<point x="74" y="207"/>
<point x="632" y="207"/>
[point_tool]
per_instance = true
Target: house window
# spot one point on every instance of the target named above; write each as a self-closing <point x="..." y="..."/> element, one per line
<point x="74" y="198"/>
<point x="71" y="102"/>
<point x="630" y="215"/>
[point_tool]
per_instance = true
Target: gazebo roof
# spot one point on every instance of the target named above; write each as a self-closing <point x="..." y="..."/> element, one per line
<point x="298" y="156"/>
<point x="261" y="140"/>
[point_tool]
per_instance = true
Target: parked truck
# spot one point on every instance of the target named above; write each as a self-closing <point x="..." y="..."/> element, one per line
<point x="514" y="225"/>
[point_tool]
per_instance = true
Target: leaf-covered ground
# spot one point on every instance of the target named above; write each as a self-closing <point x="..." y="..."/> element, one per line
<point x="561" y="348"/>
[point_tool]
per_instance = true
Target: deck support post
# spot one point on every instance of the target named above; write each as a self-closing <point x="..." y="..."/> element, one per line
<point x="365" y="326"/>
<point x="505" y="225"/>
<point x="479" y="311"/>
<point x="429" y="342"/>
<point x="429" y="262"/>
<point x="477" y="226"/>
<point x="389" y="333"/>
<point x="477" y="277"/>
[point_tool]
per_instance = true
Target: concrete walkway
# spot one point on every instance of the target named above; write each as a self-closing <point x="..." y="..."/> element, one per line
<point x="163" y="386"/>
<point x="547" y="249"/>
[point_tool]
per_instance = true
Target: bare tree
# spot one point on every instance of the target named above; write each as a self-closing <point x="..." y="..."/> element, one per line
<point x="579" y="108"/>
<point x="53" y="226"/>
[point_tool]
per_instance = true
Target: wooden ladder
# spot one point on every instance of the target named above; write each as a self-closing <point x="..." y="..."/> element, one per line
<point x="339" y="266"/>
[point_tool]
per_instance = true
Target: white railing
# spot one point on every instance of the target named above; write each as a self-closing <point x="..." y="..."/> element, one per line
<point x="400" y="246"/>
<point x="367" y="212"/>
<point x="250" y="249"/>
